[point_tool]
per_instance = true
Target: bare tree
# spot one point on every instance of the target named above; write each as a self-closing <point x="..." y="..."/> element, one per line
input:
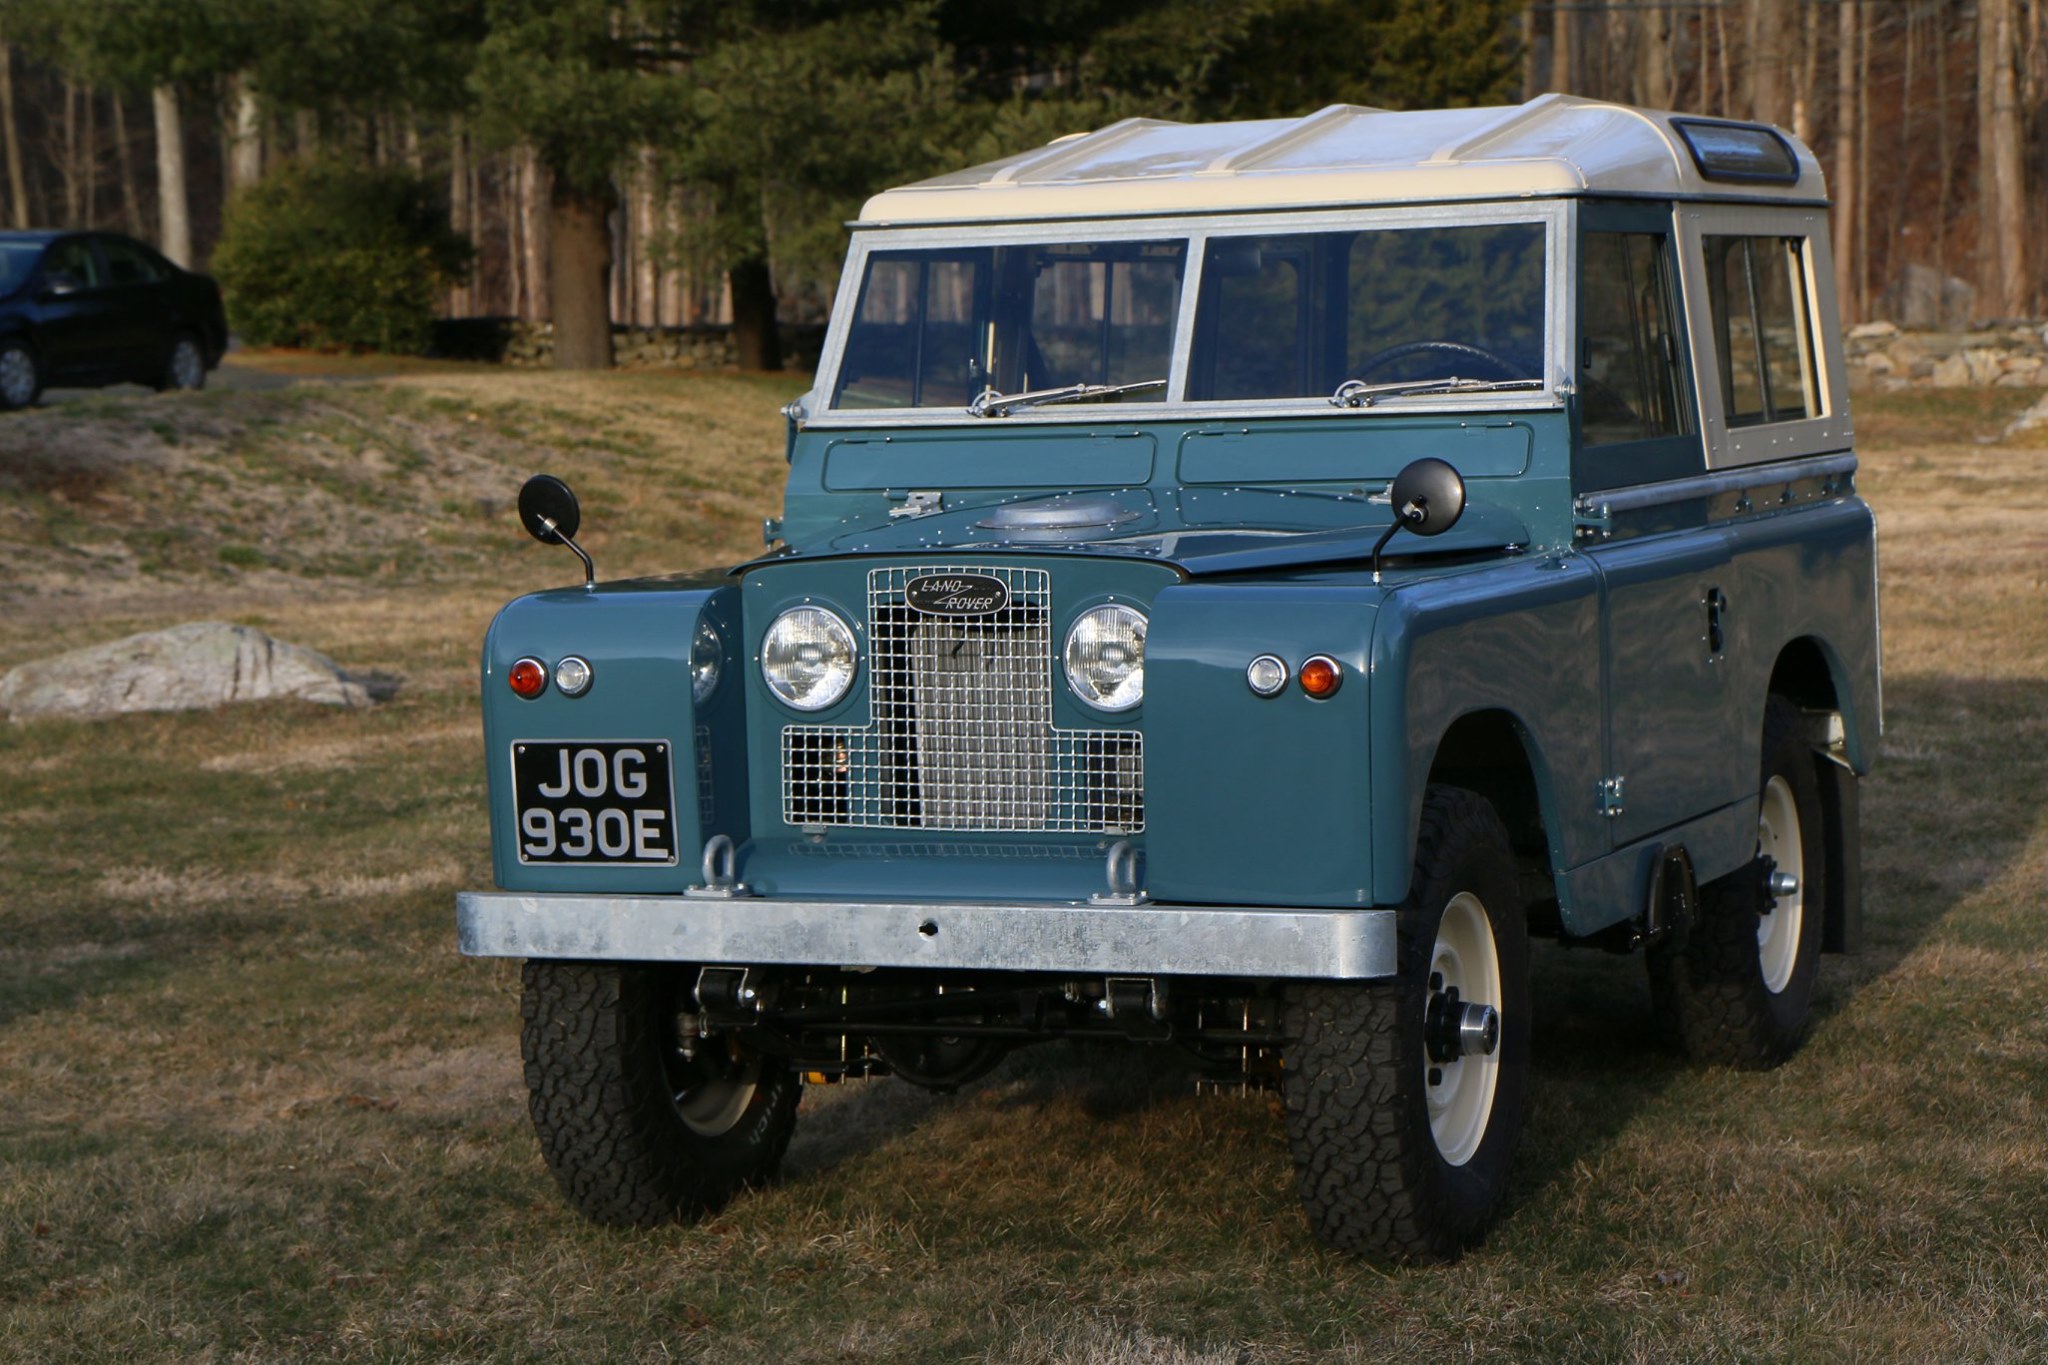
<point x="174" y="207"/>
<point x="1845" y="187"/>
<point x="10" y="134"/>
<point x="245" y="135"/>
<point x="2001" y="150"/>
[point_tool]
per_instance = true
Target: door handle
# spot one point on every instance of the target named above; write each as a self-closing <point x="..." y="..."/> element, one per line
<point x="1717" y="633"/>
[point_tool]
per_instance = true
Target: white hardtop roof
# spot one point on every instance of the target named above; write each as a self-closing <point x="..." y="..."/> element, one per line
<point x="1553" y="145"/>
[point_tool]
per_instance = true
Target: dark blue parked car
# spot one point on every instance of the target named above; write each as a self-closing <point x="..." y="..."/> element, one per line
<point x="92" y="308"/>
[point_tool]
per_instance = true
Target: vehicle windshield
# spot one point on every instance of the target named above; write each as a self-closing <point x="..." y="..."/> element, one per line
<point x="936" y="329"/>
<point x="17" y="259"/>
<point x="1305" y="314"/>
<point x="1350" y="316"/>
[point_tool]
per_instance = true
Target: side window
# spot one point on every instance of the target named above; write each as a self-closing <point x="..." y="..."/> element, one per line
<point x="1630" y="385"/>
<point x="74" y="257"/>
<point x="128" y="263"/>
<point x="1762" y="331"/>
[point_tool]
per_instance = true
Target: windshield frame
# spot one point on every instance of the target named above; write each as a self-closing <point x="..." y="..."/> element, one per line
<point x="1554" y="216"/>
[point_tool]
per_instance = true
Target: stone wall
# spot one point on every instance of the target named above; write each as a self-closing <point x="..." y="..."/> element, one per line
<point x="531" y="345"/>
<point x="2006" y="355"/>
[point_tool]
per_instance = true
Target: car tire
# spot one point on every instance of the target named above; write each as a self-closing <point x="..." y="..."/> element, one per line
<point x="1735" y="988"/>
<point x="184" y="365"/>
<point x="1401" y="1152"/>
<point x="21" y="377"/>
<point x="636" y="1132"/>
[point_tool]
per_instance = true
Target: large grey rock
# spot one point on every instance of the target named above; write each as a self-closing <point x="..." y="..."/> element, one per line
<point x="186" y="668"/>
<point x="2034" y="418"/>
<point x="1925" y="298"/>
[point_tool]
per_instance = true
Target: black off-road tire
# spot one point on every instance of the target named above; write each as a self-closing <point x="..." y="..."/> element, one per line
<point x="602" y="1063"/>
<point x="1373" y="1176"/>
<point x="1709" y="988"/>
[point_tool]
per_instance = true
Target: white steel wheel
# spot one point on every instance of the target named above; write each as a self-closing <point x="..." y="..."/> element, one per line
<point x="712" y="1095"/>
<point x="1460" y="1092"/>
<point x="1778" y="928"/>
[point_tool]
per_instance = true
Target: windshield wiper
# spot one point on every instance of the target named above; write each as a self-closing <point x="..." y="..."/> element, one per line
<point x="1354" y="393"/>
<point x="989" y="403"/>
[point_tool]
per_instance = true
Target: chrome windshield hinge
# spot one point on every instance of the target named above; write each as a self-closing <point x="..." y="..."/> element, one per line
<point x="1612" y="793"/>
<point x="919" y="504"/>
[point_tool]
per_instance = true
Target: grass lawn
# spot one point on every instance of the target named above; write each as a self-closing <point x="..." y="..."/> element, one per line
<point x="253" y="1106"/>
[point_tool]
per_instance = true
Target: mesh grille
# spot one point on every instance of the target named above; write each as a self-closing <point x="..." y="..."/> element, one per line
<point x="960" y="733"/>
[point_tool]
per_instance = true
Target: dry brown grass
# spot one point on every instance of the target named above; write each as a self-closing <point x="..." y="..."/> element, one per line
<point x="253" y="1107"/>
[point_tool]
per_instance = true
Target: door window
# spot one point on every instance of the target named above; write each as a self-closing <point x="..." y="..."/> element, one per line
<point x="74" y="259"/>
<point x="1630" y="384"/>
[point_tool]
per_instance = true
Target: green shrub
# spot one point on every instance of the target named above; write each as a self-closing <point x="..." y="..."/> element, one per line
<point x="332" y="256"/>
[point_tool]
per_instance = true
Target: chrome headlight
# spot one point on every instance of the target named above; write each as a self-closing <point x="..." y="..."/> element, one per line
<point x="707" y="657"/>
<point x="1105" y="657"/>
<point x="807" y="658"/>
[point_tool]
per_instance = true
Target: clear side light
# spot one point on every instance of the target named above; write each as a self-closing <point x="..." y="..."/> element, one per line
<point x="808" y="658"/>
<point x="707" y="656"/>
<point x="1105" y="657"/>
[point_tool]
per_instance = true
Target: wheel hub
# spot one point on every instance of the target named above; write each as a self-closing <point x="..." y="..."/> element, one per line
<point x="1461" y="1029"/>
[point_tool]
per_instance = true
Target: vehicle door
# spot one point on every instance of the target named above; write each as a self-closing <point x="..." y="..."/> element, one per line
<point x="74" y="314"/>
<point x="1662" y="570"/>
<point x="142" y="314"/>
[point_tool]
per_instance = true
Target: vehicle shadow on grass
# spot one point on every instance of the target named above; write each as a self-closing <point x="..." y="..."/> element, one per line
<point x="1949" y="813"/>
<point x="1105" y="1080"/>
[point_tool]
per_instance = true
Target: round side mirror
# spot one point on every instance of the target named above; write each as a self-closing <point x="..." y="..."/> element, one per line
<point x="548" y="509"/>
<point x="1428" y="496"/>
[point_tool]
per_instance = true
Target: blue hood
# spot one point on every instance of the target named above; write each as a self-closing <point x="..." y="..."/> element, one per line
<point x="1203" y="531"/>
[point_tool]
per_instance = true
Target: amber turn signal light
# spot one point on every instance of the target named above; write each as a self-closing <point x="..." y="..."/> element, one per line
<point x="1321" y="676"/>
<point x="528" y="678"/>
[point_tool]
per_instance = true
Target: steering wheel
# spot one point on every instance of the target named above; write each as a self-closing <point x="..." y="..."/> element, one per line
<point x="1456" y="350"/>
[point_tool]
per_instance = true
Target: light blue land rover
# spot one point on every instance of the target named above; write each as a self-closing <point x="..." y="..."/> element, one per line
<point x="1238" y="584"/>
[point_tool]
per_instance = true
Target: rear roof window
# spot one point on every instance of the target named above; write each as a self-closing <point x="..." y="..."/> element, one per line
<point x="1742" y="152"/>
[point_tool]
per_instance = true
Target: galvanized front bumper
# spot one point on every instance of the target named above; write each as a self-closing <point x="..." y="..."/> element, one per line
<point x="1135" y="940"/>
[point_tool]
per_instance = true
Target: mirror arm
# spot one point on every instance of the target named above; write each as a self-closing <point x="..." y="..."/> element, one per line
<point x="589" y="569"/>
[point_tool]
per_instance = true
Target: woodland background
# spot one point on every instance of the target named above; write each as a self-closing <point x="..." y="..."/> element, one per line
<point x="679" y="162"/>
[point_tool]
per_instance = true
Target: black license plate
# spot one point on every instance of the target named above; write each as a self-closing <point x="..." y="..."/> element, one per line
<point x="581" y="801"/>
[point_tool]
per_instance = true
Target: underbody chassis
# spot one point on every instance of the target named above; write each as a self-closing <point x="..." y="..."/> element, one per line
<point x="937" y="993"/>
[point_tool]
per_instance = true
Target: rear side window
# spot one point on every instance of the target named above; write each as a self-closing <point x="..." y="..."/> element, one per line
<point x="1630" y="384"/>
<point x="1762" y="328"/>
<point x="128" y="263"/>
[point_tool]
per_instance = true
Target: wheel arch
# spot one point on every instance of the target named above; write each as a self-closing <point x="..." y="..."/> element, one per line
<point x="1812" y="675"/>
<point x="1492" y="752"/>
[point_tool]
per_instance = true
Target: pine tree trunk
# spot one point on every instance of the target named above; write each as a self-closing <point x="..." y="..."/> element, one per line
<point x="10" y="134"/>
<point x="753" y="315"/>
<point x="533" y="235"/>
<point x="1563" y="51"/>
<point x="582" y="260"/>
<point x="245" y="138"/>
<point x="174" y="207"/>
<point x="646" y="260"/>
<point x="1531" y="76"/>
